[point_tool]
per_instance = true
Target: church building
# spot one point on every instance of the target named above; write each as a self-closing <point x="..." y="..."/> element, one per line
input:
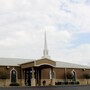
<point x="42" y="72"/>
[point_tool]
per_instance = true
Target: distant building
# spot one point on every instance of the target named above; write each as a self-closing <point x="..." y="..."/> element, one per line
<point x="44" y="71"/>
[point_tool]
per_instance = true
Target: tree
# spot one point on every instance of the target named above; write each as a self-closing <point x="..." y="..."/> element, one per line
<point x="87" y="76"/>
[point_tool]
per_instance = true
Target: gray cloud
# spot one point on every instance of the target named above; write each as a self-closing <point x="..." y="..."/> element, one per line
<point x="23" y="22"/>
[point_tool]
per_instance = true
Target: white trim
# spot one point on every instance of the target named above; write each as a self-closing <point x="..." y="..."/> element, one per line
<point x="50" y="74"/>
<point x="34" y="63"/>
<point x="45" y="64"/>
<point x="73" y="71"/>
<point x="16" y="73"/>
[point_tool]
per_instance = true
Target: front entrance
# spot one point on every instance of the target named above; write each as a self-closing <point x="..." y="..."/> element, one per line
<point x="37" y="71"/>
<point x="37" y="74"/>
<point x="28" y="76"/>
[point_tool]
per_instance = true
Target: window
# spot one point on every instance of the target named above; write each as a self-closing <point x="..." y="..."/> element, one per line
<point x="13" y="75"/>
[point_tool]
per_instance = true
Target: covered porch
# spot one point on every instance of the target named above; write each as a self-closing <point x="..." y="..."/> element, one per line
<point x="35" y="73"/>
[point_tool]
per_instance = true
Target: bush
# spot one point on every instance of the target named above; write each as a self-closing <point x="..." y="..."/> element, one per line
<point x="72" y="82"/>
<point x="59" y="83"/>
<point x="14" y="84"/>
<point x="56" y="83"/>
<point x="44" y="82"/>
<point x="77" y="82"/>
<point x="62" y="83"/>
<point x="66" y="83"/>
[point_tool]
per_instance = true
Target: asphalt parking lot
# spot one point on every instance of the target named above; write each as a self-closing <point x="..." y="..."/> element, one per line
<point x="80" y="87"/>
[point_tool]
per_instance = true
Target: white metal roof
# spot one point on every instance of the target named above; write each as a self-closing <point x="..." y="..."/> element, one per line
<point x="12" y="61"/>
<point x="70" y="65"/>
<point x="17" y="61"/>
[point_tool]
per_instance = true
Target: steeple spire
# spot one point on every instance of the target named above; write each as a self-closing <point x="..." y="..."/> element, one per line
<point x="45" y="44"/>
<point x="45" y="51"/>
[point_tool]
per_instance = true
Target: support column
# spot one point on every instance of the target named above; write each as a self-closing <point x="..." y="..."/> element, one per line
<point x="38" y="79"/>
<point x="65" y="77"/>
<point x="33" y="78"/>
<point x="53" y="79"/>
<point x="39" y="76"/>
<point x="22" y="78"/>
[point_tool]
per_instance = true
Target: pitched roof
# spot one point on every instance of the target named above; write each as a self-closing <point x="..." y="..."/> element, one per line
<point x="12" y="61"/>
<point x="70" y="65"/>
<point x="18" y="61"/>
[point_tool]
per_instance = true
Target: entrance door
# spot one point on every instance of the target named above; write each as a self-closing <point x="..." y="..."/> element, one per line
<point x="28" y="76"/>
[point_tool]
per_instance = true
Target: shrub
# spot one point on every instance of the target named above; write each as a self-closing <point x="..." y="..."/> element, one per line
<point x="72" y="82"/>
<point x="59" y="83"/>
<point x="14" y="84"/>
<point x="44" y="82"/>
<point x="66" y="83"/>
<point x="78" y="82"/>
<point x="56" y="83"/>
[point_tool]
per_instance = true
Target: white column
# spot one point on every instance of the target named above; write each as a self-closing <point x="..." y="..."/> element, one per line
<point x="33" y="78"/>
<point x="22" y="78"/>
<point x="53" y="79"/>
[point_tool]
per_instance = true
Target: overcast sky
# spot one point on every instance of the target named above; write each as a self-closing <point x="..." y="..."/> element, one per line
<point x="67" y="23"/>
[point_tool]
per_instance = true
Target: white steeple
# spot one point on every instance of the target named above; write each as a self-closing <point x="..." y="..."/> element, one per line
<point x="45" y="51"/>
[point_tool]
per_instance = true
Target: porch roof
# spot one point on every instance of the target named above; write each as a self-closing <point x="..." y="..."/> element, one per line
<point x="39" y="62"/>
